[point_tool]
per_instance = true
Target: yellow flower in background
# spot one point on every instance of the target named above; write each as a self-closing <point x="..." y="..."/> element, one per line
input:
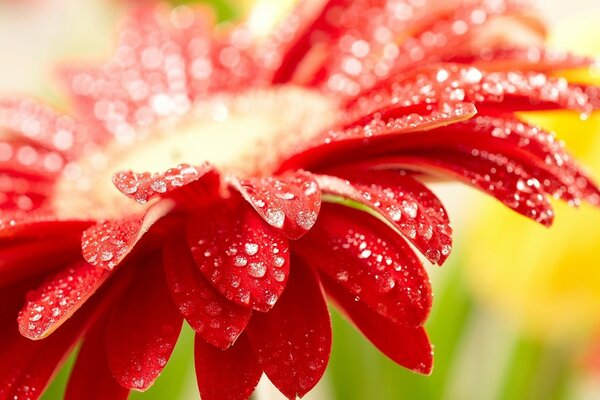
<point x="547" y="281"/>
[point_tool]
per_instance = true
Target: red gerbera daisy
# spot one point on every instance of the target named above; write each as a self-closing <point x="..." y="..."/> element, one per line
<point x="304" y="155"/>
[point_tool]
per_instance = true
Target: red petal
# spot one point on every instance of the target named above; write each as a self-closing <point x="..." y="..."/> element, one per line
<point x="106" y="244"/>
<point x="499" y="91"/>
<point x="493" y="173"/>
<point x="19" y="225"/>
<point x="30" y="160"/>
<point x="145" y="186"/>
<point x="91" y="377"/>
<point x="408" y="347"/>
<point x="335" y="146"/>
<point x="245" y="259"/>
<point x="58" y="298"/>
<point x="26" y="367"/>
<point x="30" y="120"/>
<point x="293" y="341"/>
<point x="214" y="318"/>
<point x="23" y="193"/>
<point x="564" y="178"/>
<point x="403" y="202"/>
<point x="163" y="62"/>
<point x="289" y="202"/>
<point x="370" y="260"/>
<point x="20" y="259"/>
<point x="143" y="329"/>
<point x="230" y="374"/>
<point x="531" y="58"/>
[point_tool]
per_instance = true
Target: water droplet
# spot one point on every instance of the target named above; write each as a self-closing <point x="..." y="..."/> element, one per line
<point x="251" y="248"/>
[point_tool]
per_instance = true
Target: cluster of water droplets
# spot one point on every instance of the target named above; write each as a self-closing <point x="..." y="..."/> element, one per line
<point x="567" y="181"/>
<point x="451" y="83"/>
<point x="58" y="298"/>
<point x="290" y="202"/>
<point x="382" y="274"/>
<point x="424" y="224"/>
<point x="247" y="263"/>
<point x="145" y="186"/>
<point x="509" y="182"/>
<point x="106" y="243"/>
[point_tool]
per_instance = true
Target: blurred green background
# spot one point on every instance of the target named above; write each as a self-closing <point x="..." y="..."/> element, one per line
<point x="517" y="307"/>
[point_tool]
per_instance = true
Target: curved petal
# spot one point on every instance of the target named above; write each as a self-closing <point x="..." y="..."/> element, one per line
<point x="372" y="262"/>
<point x="363" y="138"/>
<point x="143" y="329"/>
<point x="289" y="202"/>
<point x="91" y="377"/>
<point x="245" y="259"/>
<point x="36" y="225"/>
<point x="403" y="202"/>
<point x="230" y="374"/>
<point x="145" y="186"/>
<point x="22" y="258"/>
<point x="213" y="317"/>
<point x="293" y="341"/>
<point x="498" y="91"/>
<point x="492" y="173"/>
<point x="516" y="58"/>
<point x="106" y="244"/>
<point x="408" y="347"/>
<point x="58" y="298"/>
<point x="26" y="367"/>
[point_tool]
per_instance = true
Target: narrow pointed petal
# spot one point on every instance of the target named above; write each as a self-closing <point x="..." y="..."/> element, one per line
<point x="91" y="377"/>
<point x="495" y="174"/>
<point x="515" y="58"/>
<point x="213" y="317"/>
<point x="106" y="244"/>
<point x="145" y="186"/>
<point x="230" y="374"/>
<point x="365" y="137"/>
<point x="58" y="298"/>
<point x="293" y="341"/>
<point x="143" y="329"/>
<point x="289" y="202"/>
<point x="372" y="262"/>
<point x="403" y="202"/>
<point x="533" y="146"/>
<point x="408" y="347"/>
<point x="245" y="259"/>
<point x="498" y="91"/>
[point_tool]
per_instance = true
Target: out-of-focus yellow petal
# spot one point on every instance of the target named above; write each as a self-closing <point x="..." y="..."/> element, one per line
<point x="546" y="280"/>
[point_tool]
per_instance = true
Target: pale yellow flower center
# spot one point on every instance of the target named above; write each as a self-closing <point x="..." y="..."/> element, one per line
<point x="246" y="134"/>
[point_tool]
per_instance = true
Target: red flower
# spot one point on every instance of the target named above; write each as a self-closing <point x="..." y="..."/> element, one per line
<point x="340" y="111"/>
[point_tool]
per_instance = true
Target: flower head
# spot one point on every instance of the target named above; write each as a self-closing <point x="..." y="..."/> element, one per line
<point x="233" y="181"/>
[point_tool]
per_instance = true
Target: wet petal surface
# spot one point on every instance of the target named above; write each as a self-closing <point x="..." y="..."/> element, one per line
<point x="289" y="202"/>
<point x="372" y="262"/>
<point x="245" y="259"/>
<point x="293" y="341"/>
<point x="213" y="317"/>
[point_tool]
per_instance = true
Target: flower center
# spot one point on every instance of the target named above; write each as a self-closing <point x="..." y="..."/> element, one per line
<point x="246" y="134"/>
